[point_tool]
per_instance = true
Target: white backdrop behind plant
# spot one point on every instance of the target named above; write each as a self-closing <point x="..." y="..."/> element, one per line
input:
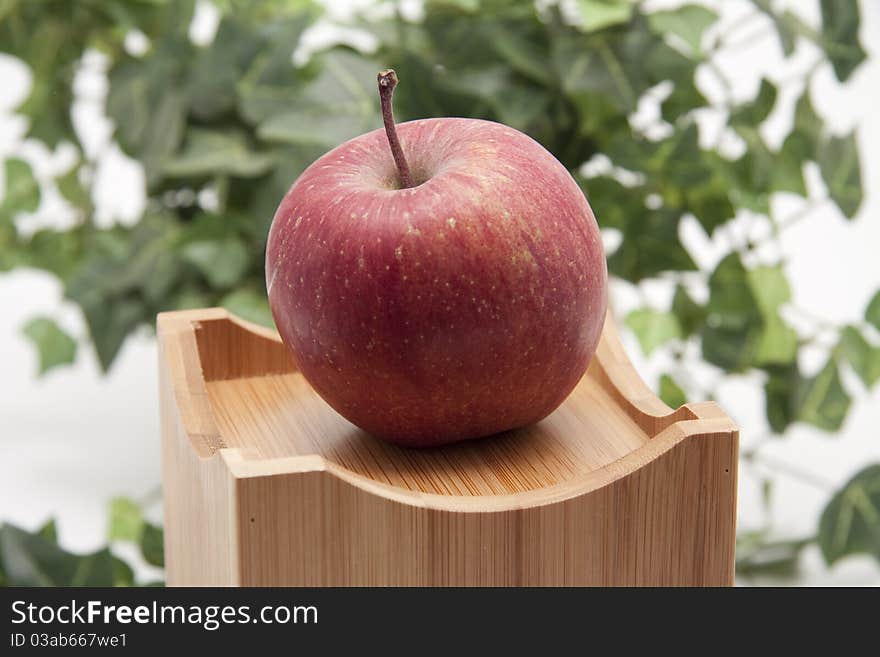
<point x="73" y="439"/>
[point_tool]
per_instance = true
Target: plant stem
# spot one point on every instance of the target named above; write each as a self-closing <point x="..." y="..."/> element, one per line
<point x="792" y="471"/>
<point x="756" y="35"/>
<point x="800" y="214"/>
<point x="721" y="40"/>
<point x="387" y="81"/>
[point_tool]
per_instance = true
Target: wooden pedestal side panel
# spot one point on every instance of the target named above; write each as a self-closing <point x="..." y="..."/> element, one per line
<point x="266" y="485"/>
<point x="200" y="524"/>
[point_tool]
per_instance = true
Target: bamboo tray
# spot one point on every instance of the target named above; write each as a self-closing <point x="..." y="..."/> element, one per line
<point x="266" y="485"/>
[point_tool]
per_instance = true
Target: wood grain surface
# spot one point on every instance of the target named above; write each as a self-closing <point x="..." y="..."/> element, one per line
<point x="266" y="485"/>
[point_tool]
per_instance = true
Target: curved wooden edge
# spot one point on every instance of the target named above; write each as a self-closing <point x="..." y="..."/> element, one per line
<point x="183" y="363"/>
<point x="180" y="370"/>
<point x="179" y="353"/>
<point x="671" y="438"/>
<point x="612" y="365"/>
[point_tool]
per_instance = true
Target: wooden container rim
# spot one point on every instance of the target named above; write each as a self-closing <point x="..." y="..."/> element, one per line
<point x="690" y="421"/>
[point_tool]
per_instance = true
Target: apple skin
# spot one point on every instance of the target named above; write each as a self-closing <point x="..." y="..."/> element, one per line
<point x="467" y="305"/>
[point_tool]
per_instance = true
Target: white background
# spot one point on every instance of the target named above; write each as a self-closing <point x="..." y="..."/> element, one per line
<point x="74" y="439"/>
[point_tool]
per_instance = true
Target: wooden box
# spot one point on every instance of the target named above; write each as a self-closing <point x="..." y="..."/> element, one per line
<point x="266" y="485"/>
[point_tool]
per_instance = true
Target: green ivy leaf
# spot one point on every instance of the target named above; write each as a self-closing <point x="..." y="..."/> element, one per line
<point x="148" y="103"/>
<point x="339" y="104"/>
<point x="250" y="306"/>
<point x="598" y="14"/>
<point x="806" y="133"/>
<point x="34" y="559"/>
<point x="664" y="63"/>
<point x="605" y="77"/>
<point x="612" y="203"/>
<point x="73" y="191"/>
<point x="70" y="31"/>
<point x="687" y="23"/>
<point x="222" y="262"/>
<point x="839" y="162"/>
<point x="770" y="288"/>
<point x="732" y="300"/>
<point x="788" y="25"/>
<point x="755" y="112"/>
<point x="308" y="126"/>
<point x="691" y="316"/>
<point x="49" y="531"/>
<point x="483" y="83"/>
<point x="872" y="312"/>
<point x="788" y="176"/>
<point x="109" y="325"/>
<point x="271" y="83"/>
<point x="801" y="145"/>
<point x="822" y="400"/>
<point x="840" y="36"/>
<point x="733" y="325"/>
<point x="766" y="291"/>
<point x="261" y="11"/>
<point x="684" y="98"/>
<point x="126" y="521"/>
<point x="123" y="280"/>
<point x="650" y="246"/>
<point x="679" y="161"/>
<point x="519" y="106"/>
<point x="190" y="297"/>
<point x="732" y="349"/>
<point x="777" y="558"/>
<point x="653" y="328"/>
<point x="850" y="523"/>
<point x="152" y="545"/>
<point x="467" y="6"/>
<point x="123" y="575"/>
<point x="750" y="177"/>
<point x="54" y="251"/>
<point x="862" y="356"/>
<point x="210" y="152"/>
<point x="781" y="393"/>
<point x="54" y="346"/>
<point x="671" y="393"/>
<point x="213" y="78"/>
<point x="710" y="203"/>
<point x="777" y="342"/>
<point x="519" y="50"/>
<point x="22" y="193"/>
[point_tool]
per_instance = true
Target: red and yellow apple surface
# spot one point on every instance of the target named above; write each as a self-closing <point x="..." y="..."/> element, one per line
<point x="443" y="279"/>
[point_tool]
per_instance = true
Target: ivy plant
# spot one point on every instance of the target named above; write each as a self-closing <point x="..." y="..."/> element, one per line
<point x="222" y="129"/>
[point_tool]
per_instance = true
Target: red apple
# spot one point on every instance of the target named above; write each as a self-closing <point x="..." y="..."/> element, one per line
<point x="458" y="301"/>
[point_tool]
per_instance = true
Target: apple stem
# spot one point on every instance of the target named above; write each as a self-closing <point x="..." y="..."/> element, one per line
<point x="387" y="81"/>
